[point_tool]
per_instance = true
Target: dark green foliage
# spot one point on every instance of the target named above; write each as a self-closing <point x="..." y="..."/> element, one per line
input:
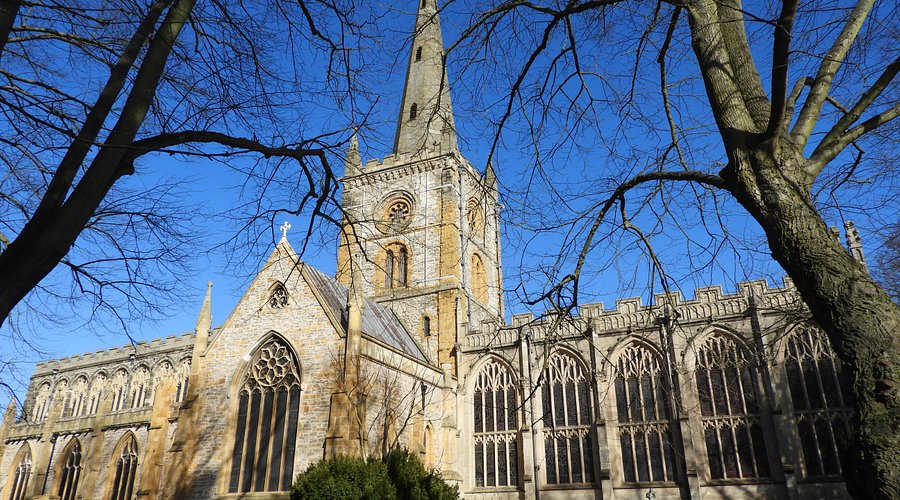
<point x="345" y="478"/>
<point x="414" y="481"/>
<point x="400" y="475"/>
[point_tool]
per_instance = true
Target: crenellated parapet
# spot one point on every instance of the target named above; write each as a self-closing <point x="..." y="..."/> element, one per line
<point x="709" y="304"/>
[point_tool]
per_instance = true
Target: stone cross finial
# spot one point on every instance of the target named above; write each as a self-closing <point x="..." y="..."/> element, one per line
<point x="284" y="229"/>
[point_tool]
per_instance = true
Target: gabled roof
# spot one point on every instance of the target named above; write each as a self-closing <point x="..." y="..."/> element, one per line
<point x="378" y="322"/>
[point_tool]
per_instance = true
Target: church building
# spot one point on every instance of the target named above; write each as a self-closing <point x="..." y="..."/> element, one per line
<point x="723" y="395"/>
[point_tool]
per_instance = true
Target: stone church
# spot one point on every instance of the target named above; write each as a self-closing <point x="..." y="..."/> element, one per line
<point x="718" y="396"/>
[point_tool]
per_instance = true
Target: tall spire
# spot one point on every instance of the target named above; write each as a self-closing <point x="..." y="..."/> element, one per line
<point x="425" y="126"/>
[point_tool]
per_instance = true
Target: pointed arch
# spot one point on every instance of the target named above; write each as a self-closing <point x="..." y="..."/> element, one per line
<point x="181" y="377"/>
<point x="95" y="394"/>
<point x="729" y="407"/>
<point x="69" y="471"/>
<point x="78" y="398"/>
<point x="496" y="406"/>
<point x="119" y="388"/>
<point x="21" y="474"/>
<point x="266" y="420"/>
<point x="817" y="393"/>
<point x="42" y="403"/>
<point x="479" y="278"/>
<point x="566" y="402"/>
<point x="643" y="415"/>
<point x="125" y="464"/>
<point x="141" y="387"/>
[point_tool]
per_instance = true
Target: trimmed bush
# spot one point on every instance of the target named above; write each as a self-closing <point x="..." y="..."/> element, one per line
<point x="414" y="481"/>
<point x="345" y="478"/>
<point x="399" y="475"/>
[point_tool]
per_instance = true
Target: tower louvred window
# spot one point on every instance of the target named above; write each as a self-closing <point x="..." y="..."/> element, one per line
<point x="266" y="425"/>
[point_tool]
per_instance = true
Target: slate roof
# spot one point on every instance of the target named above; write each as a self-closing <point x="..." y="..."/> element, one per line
<point x="378" y="322"/>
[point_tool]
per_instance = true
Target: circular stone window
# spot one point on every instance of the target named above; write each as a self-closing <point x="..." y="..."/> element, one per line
<point x="395" y="216"/>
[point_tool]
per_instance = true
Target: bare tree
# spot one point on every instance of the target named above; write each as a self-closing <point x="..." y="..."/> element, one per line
<point x="690" y="113"/>
<point x="89" y="90"/>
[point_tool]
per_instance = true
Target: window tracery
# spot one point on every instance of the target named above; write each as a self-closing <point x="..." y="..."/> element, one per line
<point x="266" y="423"/>
<point x="41" y="403"/>
<point x="184" y="372"/>
<point x="820" y="409"/>
<point x="95" y="394"/>
<point x="70" y="472"/>
<point x="140" y="388"/>
<point x="279" y="297"/>
<point x="496" y="427"/>
<point x="21" y="475"/>
<point x="119" y="390"/>
<point x="729" y="411"/>
<point x="567" y="417"/>
<point x="643" y="417"/>
<point x="126" y="470"/>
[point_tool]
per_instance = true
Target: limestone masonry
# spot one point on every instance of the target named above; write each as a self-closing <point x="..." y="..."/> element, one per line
<point x="717" y="396"/>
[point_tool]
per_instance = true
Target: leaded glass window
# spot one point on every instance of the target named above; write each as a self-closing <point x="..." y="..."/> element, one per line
<point x="266" y="423"/>
<point x="21" y="475"/>
<point x="496" y="427"/>
<point x="820" y="409"/>
<point x="730" y="411"/>
<point x="70" y="472"/>
<point x="126" y="470"/>
<point x="642" y="411"/>
<point x="568" y="449"/>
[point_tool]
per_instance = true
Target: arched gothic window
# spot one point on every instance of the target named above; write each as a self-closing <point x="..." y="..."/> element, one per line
<point x="140" y="388"/>
<point x="78" y="400"/>
<point x="396" y="266"/>
<point x="119" y="390"/>
<point x="126" y="470"/>
<point x="184" y="372"/>
<point x="95" y="394"/>
<point x="496" y="427"/>
<point x="642" y="411"/>
<point x="729" y="411"/>
<point x="279" y="297"/>
<point x="475" y="219"/>
<point x="21" y="475"/>
<point x="479" y="278"/>
<point x="820" y="409"/>
<point x="42" y="403"/>
<point x="70" y="472"/>
<point x="266" y="424"/>
<point x="567" y="419"/>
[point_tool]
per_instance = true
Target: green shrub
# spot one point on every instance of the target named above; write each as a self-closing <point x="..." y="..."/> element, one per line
<point x="400" y="475"/>
<point x="414" y="481"/>
<point x="345" y="478"/>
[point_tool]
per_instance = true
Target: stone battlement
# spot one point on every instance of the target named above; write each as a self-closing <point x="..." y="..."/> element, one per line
<point x="113" y="354"/>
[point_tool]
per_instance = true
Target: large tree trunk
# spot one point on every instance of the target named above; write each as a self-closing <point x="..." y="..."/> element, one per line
<point x="860" y="319"/>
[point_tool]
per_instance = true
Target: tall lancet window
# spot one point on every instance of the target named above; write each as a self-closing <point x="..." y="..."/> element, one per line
<point x="567" y="419"/>
<point x="140" y="388"/>
<point x="70" y="472"/>
<point x="266" y="424"/>
<point x="78" y="402"/>
<point x="729" y="411"/>
<point x="126" y="469"/>
<point x="643" y="417"/>
<point x="21" y="475"/>
<point x="496" y="427"/>
<point x="820" y="409"/>
<point x="184" y="373"/>
<point x="42" y="403"/>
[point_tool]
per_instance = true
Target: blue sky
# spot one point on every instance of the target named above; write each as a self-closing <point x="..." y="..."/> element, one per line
<point x="539" y="192"/>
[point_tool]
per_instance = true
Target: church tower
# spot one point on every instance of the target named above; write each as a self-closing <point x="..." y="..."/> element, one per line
<point x="423" y="223"/>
